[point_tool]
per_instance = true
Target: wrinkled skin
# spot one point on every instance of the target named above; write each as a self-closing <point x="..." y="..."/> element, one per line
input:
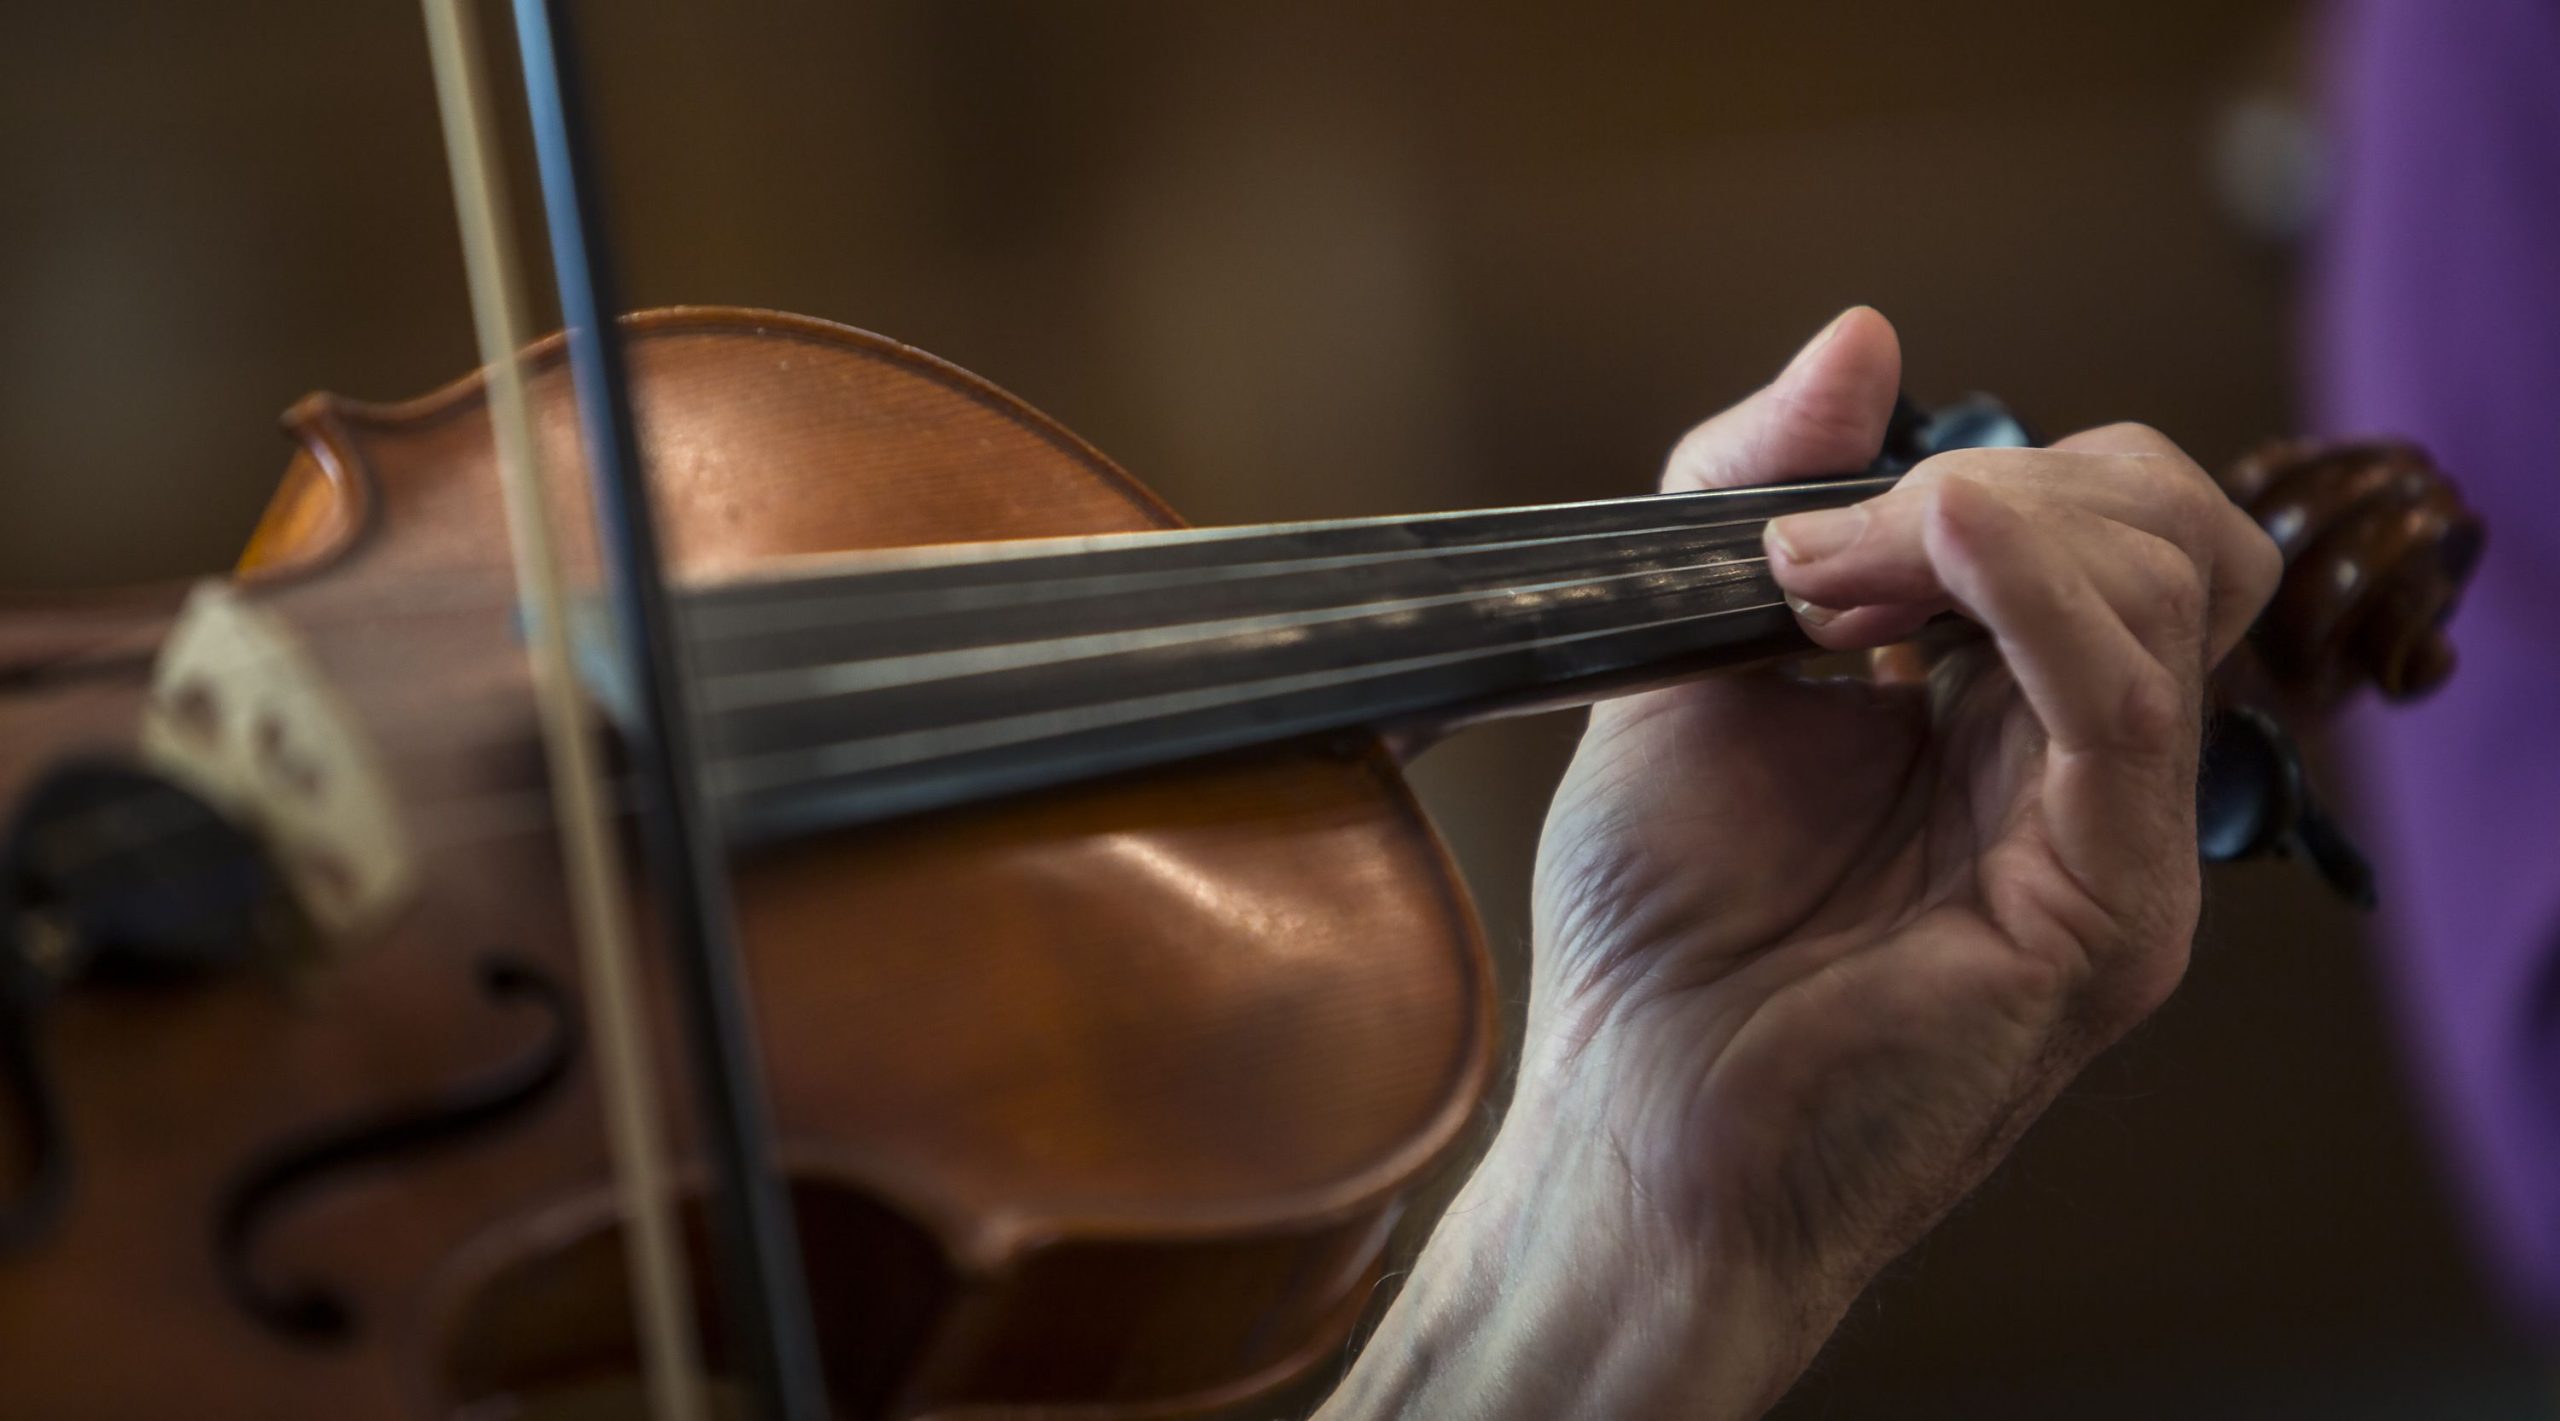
<point x="1811" y="953"/>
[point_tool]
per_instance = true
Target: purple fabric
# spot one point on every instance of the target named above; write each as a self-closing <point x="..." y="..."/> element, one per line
<point x="2437" y="315"/>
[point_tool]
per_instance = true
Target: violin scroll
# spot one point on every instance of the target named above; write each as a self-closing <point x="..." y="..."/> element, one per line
<point x="2377" y="546"/>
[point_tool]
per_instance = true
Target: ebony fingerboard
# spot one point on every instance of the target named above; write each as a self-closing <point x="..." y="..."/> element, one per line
<point x="873" y="687"/>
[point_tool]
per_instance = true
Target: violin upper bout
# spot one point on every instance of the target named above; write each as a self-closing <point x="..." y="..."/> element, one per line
<point x="2378" y="546"/>
<point x="765" y="433"/>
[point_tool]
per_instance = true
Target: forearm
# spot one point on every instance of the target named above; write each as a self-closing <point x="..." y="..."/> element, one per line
<point x="1539" y="1297"/>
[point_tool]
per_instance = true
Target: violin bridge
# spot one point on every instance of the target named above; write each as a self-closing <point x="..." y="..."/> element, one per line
<point x="241" y="713"/>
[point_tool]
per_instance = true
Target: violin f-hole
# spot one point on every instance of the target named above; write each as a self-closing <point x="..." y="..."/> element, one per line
<point x="312" y="1313"/>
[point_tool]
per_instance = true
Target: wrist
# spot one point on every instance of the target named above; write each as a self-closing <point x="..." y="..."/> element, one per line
<point x="1547" y="1291"/>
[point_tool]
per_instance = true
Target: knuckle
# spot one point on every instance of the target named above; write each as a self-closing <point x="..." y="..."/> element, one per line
<point x="2187" y="503"/>
<point x="2052" y="984"/>
<point x="1926" y="475"/>
<point x="2182" y="482"/>
<point x="2171" y="599"/>
<point x="1947" y="483"/>
<point x="2154" y="713"/>
<point x="2195" y="506"/>
<point x="1982" y="466"/>
<point x="2178" y="594"/>
<point x="1958" y="493"/>
<point x="2141" y="962"/>
<point x="2101" y="986"/>
<point x="2125" y="437"/>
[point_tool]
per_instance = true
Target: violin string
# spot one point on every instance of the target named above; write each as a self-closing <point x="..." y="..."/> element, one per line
<point x="434" y="594"/>
<point x="835" y="678"/>
<point x="452" y="820"/>
<point x="483" y="812"/>
<point x="834" y="759"/>
<point x="570" y="732"/>
<point x="784" y="602"/>
<point x="788" y="567"/>
<point x="740" y="772"/>
<point x="426" y="730"/>
<point x="741" y="690"/>
<point x="460" y="717"/>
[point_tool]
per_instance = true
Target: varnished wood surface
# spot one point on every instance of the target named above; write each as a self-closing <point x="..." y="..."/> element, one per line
<point x="1142" y="1067"/>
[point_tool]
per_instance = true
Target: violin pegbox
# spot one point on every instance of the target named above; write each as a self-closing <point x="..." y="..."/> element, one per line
<point x="240" y="712"/>
<point x="2378" y="546"/>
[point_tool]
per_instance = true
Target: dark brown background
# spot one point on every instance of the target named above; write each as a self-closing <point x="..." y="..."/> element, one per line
<point x="1337" y="258"/>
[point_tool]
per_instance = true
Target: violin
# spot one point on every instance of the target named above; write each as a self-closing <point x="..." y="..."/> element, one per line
<point x="1112" y="986"/>
<point x="1110" y="991"/>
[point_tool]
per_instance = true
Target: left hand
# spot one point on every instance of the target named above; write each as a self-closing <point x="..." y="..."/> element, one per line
<point x="1811" y="954"/>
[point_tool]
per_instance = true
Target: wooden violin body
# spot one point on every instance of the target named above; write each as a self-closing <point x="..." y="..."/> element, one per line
<point x="1096" y="1102"/>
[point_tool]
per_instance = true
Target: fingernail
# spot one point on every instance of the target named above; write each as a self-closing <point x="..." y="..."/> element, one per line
<point x="1812" y="614"/>
<point x="1806" y="537"/>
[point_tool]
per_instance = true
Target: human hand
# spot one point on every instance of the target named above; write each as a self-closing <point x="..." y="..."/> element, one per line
<point x="1811" y="953"/>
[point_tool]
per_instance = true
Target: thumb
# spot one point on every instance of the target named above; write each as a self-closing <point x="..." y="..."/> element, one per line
<point x="1824" y="414"/>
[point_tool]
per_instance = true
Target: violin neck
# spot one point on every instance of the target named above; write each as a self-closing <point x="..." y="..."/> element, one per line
<point x="876" y="686"/>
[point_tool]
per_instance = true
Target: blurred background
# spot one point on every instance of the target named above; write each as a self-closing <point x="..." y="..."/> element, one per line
<point x="1331" y="258"/>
